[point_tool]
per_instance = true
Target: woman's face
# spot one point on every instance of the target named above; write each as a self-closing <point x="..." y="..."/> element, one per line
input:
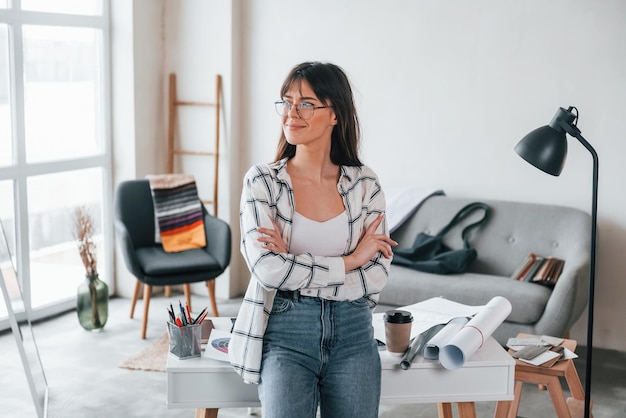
<point x="313" y="131"/>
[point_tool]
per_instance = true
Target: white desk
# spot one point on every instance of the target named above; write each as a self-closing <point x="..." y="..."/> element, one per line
<point x="207" y="385"/>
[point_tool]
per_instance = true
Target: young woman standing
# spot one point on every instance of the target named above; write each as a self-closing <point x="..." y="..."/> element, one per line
<point x="317" y="245"/>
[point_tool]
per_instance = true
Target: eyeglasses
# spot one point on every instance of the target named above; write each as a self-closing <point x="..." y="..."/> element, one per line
<point x="304" y="110"/>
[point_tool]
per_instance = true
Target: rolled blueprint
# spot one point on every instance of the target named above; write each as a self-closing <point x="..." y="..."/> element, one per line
<point x="432" y="347"/>
<point x="473" y="335"/>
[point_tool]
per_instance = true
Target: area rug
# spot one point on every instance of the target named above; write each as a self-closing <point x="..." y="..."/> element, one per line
<point x="151" y="358"/>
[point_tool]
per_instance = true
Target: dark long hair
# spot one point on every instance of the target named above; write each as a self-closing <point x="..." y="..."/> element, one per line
<point x="331" y="86"/>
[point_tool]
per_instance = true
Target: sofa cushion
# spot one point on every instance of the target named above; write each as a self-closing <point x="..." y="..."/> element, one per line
<point x="405" y="288"/>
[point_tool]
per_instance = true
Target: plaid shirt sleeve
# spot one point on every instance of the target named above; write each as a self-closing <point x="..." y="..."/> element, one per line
<point x="365" y="201"/>
<point x="266" y="195"/>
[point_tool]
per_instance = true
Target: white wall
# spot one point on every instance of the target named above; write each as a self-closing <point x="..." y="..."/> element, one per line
<point x="150" y="40"/>
<point x="199" y="46"/>
<point x="137" y="66"/>
<point x="444" y="88"/>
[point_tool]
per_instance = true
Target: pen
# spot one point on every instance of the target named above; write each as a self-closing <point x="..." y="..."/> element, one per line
<point x="172" y="311"/>
<point x="190" y="320"/>
<point x="182" y="313"/>
<point x="171" y="315"/>
<point x="199" y="315"/>
<point x="202" y="317"/>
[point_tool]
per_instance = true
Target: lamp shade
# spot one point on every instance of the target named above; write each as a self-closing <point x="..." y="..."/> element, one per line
<point x="545" y="148"/>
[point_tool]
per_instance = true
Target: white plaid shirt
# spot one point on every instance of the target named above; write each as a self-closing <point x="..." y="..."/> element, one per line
<point x="267" y="192"/>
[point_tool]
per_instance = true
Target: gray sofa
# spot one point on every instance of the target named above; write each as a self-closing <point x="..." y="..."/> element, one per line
<point x="512" y="232"/>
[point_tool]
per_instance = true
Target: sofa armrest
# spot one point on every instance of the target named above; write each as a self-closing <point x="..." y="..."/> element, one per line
<point x="568" y="300"/>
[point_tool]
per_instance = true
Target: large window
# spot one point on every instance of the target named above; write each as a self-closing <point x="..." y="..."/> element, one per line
<point x="54" y="144"/>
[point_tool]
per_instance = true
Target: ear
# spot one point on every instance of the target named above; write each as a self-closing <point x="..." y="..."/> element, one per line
<point x="333" y="119"/>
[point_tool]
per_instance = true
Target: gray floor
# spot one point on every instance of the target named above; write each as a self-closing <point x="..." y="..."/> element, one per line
<point x="84" y="380"/>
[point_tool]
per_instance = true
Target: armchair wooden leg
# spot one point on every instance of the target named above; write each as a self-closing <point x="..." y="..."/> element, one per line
<point x="187" y="292"/>
<point x="167" y="291"/>
<point x="147" y="292"/>
<point x="210" y="284"/>
<point x="135" y="296"/>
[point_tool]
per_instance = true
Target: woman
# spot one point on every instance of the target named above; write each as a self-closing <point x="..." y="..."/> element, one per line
<point x="316" y="242"/>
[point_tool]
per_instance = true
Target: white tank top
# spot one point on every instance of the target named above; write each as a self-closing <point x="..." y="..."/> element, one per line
<point x="328" y="238"/>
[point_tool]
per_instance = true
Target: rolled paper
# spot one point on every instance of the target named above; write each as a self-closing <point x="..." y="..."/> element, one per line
<point x="432" y="347"/>
<point x="472" y="335"/>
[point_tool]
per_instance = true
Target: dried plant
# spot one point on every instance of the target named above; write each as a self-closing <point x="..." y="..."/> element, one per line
<point x="83" y="233"/>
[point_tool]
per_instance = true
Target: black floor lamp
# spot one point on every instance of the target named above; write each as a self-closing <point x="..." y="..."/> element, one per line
<point x="546" y="149"/>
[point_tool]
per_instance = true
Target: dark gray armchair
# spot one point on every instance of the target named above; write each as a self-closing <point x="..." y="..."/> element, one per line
<point x="150" y="264"/>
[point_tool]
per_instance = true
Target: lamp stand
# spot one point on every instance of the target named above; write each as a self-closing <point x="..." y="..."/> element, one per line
<point x="575" y="132"/>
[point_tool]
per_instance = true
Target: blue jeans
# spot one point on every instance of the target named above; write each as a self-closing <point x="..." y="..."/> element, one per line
<point x="322" y="352"/>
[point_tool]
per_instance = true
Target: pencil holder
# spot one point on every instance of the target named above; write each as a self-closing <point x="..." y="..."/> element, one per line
<point x="185" y="341"/>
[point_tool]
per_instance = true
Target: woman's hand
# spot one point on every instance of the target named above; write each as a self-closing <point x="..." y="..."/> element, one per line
<point x="272" y="239"/>
<point x="370" y="244"/>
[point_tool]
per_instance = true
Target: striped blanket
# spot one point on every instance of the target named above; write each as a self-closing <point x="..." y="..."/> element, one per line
<point x="177" y="211"/>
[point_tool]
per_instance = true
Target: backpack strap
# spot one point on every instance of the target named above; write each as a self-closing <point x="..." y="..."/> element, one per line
<point x="466" y="211"/>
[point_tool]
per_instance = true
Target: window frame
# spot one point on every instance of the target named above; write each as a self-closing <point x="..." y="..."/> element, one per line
<point x="20" y="171"/>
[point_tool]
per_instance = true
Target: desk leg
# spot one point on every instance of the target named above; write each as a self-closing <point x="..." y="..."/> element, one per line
<point x="444" y="410"/>
<point x="508" y="409"/>
<point x="502" y="409"/>
<point x="206" y="412"/>
<point x="466" y="409"/>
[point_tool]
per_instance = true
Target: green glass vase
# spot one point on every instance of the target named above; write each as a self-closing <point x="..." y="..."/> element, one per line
<point x="92" y="303"/>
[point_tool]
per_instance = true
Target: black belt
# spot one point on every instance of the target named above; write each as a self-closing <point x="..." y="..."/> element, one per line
<point x="293" y="294"/>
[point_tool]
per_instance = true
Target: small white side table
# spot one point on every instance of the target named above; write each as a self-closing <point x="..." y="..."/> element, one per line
<point x="208" y="385"/>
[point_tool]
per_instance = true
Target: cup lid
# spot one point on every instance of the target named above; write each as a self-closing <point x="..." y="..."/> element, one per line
<point x="398" y="316"/>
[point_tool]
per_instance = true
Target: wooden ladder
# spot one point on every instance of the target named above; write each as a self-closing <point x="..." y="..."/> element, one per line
<point x="173" y="151"/>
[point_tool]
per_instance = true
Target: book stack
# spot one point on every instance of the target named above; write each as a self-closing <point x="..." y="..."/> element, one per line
<point x="544" y="351"/>
<point x="539" y="269"/>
